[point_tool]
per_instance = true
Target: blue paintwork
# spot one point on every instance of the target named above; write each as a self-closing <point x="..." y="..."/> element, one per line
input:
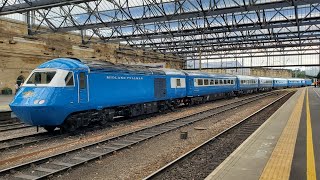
<point x="56" y="108"/>
<point x="295" y="82"/>
<point x="246" y="86"/>
<point x="308" y="82"/>
<point x="280" y="82"/>
<point x="106" y="89"/>
<point x="110" y="88"/>
<point x="64" y="63"/>
<point x="193" y="91"/>
<point x="265" y="85"/>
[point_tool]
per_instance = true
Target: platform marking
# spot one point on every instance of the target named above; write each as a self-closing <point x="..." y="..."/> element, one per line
<point x="316" y="93"/>
<point x="311" y="168"/>
<point x="279" y="164"/>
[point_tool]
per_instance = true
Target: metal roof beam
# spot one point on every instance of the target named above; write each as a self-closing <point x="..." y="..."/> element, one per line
<point x="46" y="4"/>
<point x="242" y="41"/>
<point x="266" y="66"/>
<point x="255" y="37"/>
<point x="36" y="5"/>
<point x="247" y="47"/>
<point x="221" y="29"/>
<point x="222" y="54"/>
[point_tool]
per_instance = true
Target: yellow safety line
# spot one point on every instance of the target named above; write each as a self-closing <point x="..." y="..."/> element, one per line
<point x="311" y="168"/>
<point x="316" y="93"/>
<point x="279" y="164"/>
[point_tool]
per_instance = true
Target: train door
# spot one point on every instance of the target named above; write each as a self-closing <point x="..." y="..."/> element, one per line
<point x="83" y="88"/>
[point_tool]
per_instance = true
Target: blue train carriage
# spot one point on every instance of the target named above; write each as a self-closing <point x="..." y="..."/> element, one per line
<point x="303" y="83"/>
<point x="294" y="82"/>
<point x="69" y="93"/>
<point x="265" y="83"/>
<point x="280" y="83"/>
<point x="308" y="82"/>
<point x="176" y="86"/>
<point x="247" y="84"/>
<point x="202" y="87"/>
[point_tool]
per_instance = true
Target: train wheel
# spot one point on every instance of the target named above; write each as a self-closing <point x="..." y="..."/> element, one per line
<point x="70" y="124"/>
<point x="103" y="120"/>
<point x="68" y="128"/>
<point x="50" y="129"/>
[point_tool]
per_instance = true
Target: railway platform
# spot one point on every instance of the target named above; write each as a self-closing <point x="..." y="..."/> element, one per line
<point x="4" y="102"/>
<point x="286" y="146"/>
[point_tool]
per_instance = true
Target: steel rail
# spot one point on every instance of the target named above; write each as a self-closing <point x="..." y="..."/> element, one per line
<point x="179" y="159"/>
<point x="21" y="141"/>
<point x="16" y="127"/>
<point x="43" y="167"/>
<point x="26" y="140"/>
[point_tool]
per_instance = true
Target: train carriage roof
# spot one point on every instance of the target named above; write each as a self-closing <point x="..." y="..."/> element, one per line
<point x="171" y="71"/>
<point x="98" y="66"/>
<point x="104" y="66"/>
<point x="204" y="74"/>
<point x="246" y="77"/>
<point x="266" y="78"/>
<point x="280" y="79"/>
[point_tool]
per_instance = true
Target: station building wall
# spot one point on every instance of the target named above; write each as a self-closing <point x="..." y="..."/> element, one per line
<point x="21" y="53"/>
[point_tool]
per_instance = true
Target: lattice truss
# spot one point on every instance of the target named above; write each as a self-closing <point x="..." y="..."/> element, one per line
<point x="212" y="29"/>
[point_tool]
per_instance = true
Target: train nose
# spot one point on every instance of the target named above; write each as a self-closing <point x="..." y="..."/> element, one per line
<point x="36" y="115"/>
<point x="30" y="106"/>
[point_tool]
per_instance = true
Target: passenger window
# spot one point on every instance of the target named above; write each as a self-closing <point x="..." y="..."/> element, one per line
<point x="82" y="77"/>
<point x="69" y="79"/>
<point x="206" y="82"/>
<point x="178" y="83"/>
<point x="220" y="81"/>
<point x="200" y="82"/>
<point x="211" y="82"/>
<point x="224" y="81"/>
<point x="216" y="81"/>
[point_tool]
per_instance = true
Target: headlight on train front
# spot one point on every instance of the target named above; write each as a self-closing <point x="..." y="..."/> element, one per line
<point x="39" y="101"/>
<point x="42" y="101"/>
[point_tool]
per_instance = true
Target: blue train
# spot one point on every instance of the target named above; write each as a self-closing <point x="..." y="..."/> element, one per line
<point x="69" y="93"/>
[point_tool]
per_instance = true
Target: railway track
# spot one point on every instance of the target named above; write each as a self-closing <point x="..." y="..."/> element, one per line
<point x="180" y="165"/>
<point x="27" y="140"/>
<point x="57" y="163"/>
<point x="9" y="122"/>
<point x="22" y="141"/>
<point x="14" y="126"/>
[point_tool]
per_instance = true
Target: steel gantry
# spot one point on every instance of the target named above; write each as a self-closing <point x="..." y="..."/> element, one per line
<point x="212" y="29"/>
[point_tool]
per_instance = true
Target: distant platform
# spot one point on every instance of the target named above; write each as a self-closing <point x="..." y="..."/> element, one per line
<point x="4" y="102"/>
<point x="284" y="147"/>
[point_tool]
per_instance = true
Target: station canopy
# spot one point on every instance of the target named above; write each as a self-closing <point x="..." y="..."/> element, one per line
<point x="191" y="29"/>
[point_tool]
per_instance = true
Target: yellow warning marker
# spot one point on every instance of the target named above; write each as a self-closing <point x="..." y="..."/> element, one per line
<point x="279" y="164"/>
<point x="311" y="168"/>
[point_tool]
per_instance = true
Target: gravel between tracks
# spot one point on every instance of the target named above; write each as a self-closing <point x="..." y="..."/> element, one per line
<point x="200" y="163"/>
<point x="144" y="158"/>
<point x="17" y="156"/>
